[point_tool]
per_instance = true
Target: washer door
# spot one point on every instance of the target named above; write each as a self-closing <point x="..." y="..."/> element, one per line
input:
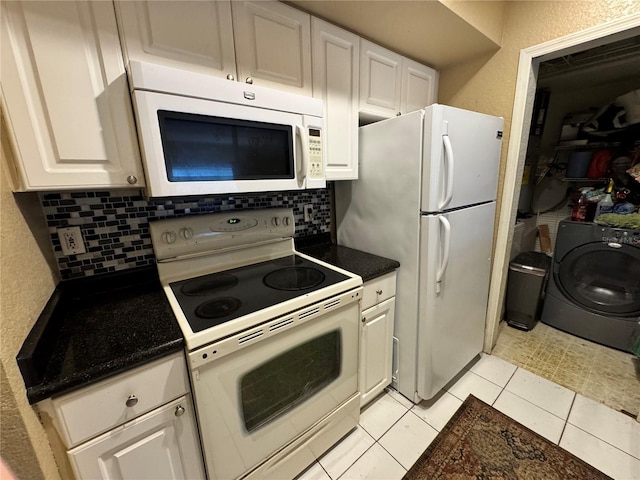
<point x="602" y="278"/>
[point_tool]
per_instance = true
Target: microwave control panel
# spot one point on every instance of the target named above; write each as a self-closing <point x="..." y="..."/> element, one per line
<point x="315" y="153"/>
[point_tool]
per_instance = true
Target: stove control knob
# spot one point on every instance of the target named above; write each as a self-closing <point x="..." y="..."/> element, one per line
<point x="186" y="233"/>
<point x="169" y="237"/>
<point x="275" y="221"/>
<point x="286" y="221"/>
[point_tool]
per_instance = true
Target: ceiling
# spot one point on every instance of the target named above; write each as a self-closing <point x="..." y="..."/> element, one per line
<point x="613" y="62"/>
<point x="429" y="32"/>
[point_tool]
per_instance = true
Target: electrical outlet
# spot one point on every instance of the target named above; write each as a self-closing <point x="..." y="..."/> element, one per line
<point x="308" y="212"/>
<point x="71" y="240"/>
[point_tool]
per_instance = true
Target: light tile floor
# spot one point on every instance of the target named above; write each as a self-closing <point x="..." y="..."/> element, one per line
<point x="601" y="373"/>
<point x="393" y="432"/>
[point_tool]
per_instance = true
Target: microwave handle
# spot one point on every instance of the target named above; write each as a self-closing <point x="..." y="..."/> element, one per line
<point x="304" y="142"/>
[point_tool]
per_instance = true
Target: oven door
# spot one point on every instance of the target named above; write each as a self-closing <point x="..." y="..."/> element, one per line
<point x="259" y="390"/>
<point x="193" y="146"/>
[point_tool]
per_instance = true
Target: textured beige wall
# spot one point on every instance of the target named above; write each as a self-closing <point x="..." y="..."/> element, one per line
<point x="488" y="84"/>
<point x="26" y="282"/>
<point x="486" y="16"/>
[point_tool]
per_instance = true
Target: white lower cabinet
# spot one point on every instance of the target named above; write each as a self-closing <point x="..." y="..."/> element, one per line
<point x="140" y="424"/>
<point x="163" y="444"/>
<point x="376" y="341"/>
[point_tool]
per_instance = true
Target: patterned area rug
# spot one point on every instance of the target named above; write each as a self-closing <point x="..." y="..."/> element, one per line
<point x="479" y="442"/>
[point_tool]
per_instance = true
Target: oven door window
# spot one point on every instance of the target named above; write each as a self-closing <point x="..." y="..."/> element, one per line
<point x="278" y="385"/>
<point x="599" y="278"/>
<point x="204" y="148"/>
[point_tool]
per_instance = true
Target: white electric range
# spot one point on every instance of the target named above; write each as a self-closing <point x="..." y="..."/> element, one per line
<point x="272" y="339"/>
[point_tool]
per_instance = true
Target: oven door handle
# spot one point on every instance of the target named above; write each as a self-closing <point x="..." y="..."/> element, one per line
<point x="304" y="144"/>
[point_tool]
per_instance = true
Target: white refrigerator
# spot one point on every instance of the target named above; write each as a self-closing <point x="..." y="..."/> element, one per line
<point x="425" y="196"/>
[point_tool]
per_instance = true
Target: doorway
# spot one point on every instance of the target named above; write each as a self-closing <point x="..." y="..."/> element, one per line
<point x="523" y="108"/>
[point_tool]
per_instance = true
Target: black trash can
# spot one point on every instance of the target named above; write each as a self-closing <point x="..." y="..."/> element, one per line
<point x="526" y="284"/>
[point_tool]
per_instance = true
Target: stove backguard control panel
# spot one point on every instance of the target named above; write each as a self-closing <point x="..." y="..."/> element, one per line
<point x="196" y="234"/>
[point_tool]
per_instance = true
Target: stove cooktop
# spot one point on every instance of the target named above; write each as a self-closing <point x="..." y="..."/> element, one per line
<point x="217" y="298"/>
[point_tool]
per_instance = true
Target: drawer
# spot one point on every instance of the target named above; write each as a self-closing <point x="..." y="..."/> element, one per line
<point x="86" y="413"/>
<point x="379" y="289"/>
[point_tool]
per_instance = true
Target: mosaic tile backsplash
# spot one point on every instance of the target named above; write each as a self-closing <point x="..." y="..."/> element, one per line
<point x="115" y="224"/>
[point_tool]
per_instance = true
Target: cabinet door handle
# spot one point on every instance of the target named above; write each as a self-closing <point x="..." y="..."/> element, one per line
<point x="364" y="319"/>
<point x="179" y="411"/>
<point x="132" y="179"/>
<point x="249" y="80"/>
<point x="132" y="401"/>
<point x="379" y="292"/>
<point x="230" y="77"/>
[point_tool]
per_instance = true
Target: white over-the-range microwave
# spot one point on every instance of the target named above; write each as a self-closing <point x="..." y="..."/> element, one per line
<point x="203" y="135"/>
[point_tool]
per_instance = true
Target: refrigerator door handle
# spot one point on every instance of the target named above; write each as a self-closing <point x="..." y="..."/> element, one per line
<point x="448" y="155"/>
<point x="446" y="242"/>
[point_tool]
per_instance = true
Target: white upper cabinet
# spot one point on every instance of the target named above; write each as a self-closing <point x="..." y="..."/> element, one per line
<point x="263" y="42"/>
<point x="391" y="84"/>
<point x="193" y="35"/>
<point x="273" y="45"/>
<point x="419" y="86"/>
<point x="380" y="81"/>
<point x="336" y="62"/>
<point x="65" y="96"/>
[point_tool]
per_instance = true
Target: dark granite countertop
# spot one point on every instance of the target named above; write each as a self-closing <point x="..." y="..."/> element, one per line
<point x="96" y="327"/>
<point x="367" y="265"/>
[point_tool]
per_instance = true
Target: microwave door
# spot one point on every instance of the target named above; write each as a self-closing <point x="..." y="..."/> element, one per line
<point x="193" y="146"/>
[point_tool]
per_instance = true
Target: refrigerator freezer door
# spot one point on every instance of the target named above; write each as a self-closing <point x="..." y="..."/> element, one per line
<point x="461" y="158"/>
<point x="452" y="294"/>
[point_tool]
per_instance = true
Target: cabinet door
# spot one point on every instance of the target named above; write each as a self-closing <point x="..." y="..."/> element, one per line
<point x="419" y="86"/>
<point x="192" y="35"/>
<point x="66" y="95"/>
<point x="273" y="45"/>
<point x="162" y="444"/>
<point x="380" y="81"/>
<point x="336" y="66"/>
<point x="376" y="350"/>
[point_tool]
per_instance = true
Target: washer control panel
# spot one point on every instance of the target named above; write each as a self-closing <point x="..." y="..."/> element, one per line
<point x="620" y="235"/>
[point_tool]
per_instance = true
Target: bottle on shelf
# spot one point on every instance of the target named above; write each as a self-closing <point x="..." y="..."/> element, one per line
<point x="579" y="211"/>
<point x="606" y="204"/>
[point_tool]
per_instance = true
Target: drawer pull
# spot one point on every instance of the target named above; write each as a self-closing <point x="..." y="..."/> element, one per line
<point x="132" y="401"/>
<point x="179" y="411"/>
<point x="379" y="292"/>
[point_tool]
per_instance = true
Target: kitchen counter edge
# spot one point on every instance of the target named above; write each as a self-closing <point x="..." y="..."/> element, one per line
<point x="46" y="353"/>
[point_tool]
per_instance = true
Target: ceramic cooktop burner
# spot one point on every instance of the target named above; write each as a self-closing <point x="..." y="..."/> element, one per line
<point x="218" y="307"/>
<point x="294" y="278"/>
